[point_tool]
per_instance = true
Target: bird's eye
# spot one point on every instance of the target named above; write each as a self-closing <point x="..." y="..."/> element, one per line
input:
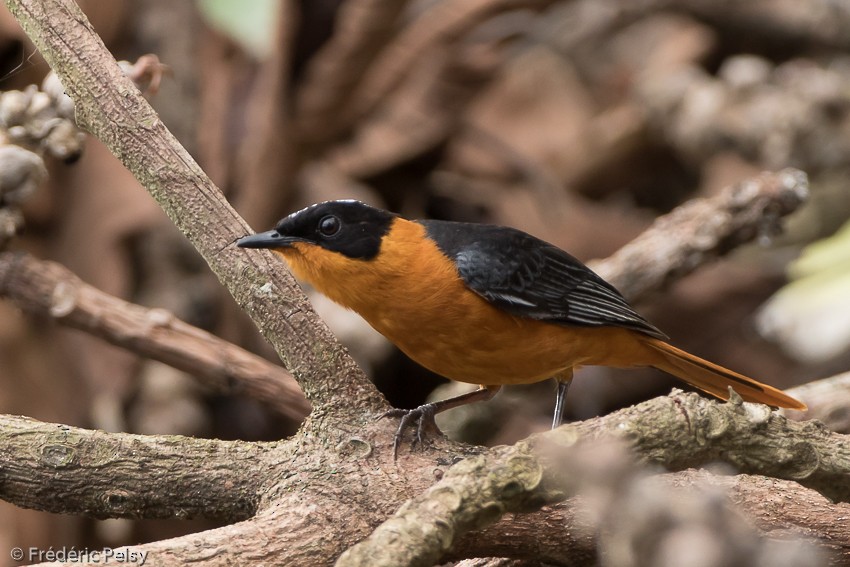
<point x="329" y="225"/>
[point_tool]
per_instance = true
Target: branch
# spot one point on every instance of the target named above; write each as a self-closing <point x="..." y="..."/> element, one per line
<point x="828" y="401"/>
<point x="566" y="534"/>
<point x="110" y="106"/>
<point x="62" y="469"/>
<point x="703" y="229"/>
<point x="689" y="430"/>
<point x="298" y="514"/>
<point x="471" y="495"/>
<point x="679" y="431"/>
<point x="48" y="289"/>
<point x="561" y="534"/>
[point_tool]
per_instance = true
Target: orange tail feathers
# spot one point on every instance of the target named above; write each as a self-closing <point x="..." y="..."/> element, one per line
<point x="714" y="379"/>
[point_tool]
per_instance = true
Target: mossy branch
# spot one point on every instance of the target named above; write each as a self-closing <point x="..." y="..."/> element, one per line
<point x="62" y="469"/>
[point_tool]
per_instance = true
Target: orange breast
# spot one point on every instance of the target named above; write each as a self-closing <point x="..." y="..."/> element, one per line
<point x="411" y="293"/>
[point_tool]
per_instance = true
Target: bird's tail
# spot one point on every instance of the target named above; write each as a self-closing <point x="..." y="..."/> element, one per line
<point x="714" y="379"/>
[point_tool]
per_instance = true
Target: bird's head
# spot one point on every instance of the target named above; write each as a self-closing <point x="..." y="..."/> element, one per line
<point x="332" y="246"/>
<point x="350" y="228"/>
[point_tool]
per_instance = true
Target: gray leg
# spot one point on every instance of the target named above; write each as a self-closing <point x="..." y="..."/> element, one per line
<point x="564" y="380"/>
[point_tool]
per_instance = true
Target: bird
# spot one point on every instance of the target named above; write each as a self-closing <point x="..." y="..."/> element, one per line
<point x="482" y="304"/>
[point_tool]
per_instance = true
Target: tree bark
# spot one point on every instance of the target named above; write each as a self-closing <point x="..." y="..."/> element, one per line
<point x="69" y="470"/>
<point x="47" y="289"/>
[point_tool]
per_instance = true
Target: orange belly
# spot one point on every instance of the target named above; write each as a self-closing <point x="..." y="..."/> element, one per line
<point x="495" y="348"/>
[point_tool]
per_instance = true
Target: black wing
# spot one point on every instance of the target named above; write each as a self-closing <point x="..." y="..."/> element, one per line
<point x="528" y="277"/>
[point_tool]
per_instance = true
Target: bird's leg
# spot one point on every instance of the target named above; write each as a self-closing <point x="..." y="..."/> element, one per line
<point x="424" y="414"/>
<point x="564" y="380"/>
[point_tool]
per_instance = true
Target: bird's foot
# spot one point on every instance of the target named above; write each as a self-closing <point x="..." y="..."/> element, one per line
<point x="423" y="416"/>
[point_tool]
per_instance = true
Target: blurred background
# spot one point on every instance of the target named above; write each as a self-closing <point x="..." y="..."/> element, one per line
<point x="576" y="121"/>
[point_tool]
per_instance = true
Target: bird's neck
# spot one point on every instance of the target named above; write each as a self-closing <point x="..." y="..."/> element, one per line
<point x="375" y="288"/>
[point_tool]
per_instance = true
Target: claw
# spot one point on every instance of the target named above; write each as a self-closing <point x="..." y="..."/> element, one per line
<point x="423" y="416"/>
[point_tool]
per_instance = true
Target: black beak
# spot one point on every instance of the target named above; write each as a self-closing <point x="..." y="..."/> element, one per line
<point x="270" y="239"/>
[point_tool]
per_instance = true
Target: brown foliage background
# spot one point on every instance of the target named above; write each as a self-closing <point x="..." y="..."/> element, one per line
<point x="576" y="121"/>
